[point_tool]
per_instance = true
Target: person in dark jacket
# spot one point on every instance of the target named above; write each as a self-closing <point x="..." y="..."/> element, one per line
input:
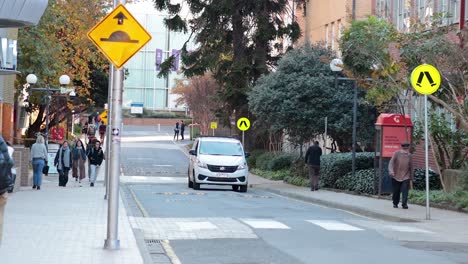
<point x="312" y="158"/>
<point x="79" y="160"/>
<point x="176" y="131"/>
<point x="182" y="129"/>
<point x="400" y="168"/>
<point x="63" y="161"/>
<point x="96" y="156"/>
<point x="6" y="163"/>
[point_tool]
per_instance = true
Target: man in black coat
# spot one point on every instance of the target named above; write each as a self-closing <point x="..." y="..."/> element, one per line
<point x="312" y="158"/>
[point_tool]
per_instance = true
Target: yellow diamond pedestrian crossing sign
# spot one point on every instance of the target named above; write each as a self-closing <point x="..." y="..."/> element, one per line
<point x="119" y="36"/>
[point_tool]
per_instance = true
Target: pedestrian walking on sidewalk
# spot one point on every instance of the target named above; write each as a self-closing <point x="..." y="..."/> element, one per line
<point x="102" y="132"/>
<point x="312" y="159"/>
<point x="79" y="160"/>
<point x="39" y="159"/>
<point x="6" y="163"/>
<point x="182" y="129"/>
<point x="96" y="156"/>
<point x="91" y="131"/>
<point x="400" y="169"/>
<point x="63" y="161"/>
<point x="176" y="131"/>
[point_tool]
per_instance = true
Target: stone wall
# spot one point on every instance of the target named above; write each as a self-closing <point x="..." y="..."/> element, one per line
<point x="21" y="157"/>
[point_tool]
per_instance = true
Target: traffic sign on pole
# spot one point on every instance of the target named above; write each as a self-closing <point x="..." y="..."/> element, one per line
<point x="243" y="124"/>
<point x="426" y="79"/>
<point x="119" y="36"/>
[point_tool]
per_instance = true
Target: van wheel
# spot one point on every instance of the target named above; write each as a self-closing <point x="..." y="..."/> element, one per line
<point x="196" y="186"/>
<point x="235" y="188"/>
<point x="243" y="188"/>
<point x="190" y="183"/>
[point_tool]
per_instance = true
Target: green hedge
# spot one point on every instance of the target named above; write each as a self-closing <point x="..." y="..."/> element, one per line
<point x="299" y="168"/>
<point x="254" y="154"/>
<point x="363" y="181"/>
<point x="272" y="175"/>
<point x="274" y="161"/>
<point x="419" y="181"/>
<point x="457" y="199"/>
<point x="296" y="180"/>
<point x="336" y="165"/>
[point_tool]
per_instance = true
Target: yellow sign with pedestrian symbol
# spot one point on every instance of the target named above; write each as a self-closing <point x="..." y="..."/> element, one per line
<point x="103" y="117"/>
<point x="425" y="79"/>
<point x="214" y="125"/>
<point x="243" y="123"/>
<point x="119" y="36"/>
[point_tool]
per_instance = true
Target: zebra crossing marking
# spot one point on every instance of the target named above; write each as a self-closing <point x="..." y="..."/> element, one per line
<point x="264" y="224"/>
<point x="333" y="225"/>
<point x="190" y="226"/>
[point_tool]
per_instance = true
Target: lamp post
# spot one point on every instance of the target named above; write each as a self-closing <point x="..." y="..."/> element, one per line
<point x="64" y="81"/>
<point x="336" y="65"/>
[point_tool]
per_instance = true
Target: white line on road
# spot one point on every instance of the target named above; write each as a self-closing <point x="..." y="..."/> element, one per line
<point x="190" y="226"/>
<point x="407" y="229"/>
<point x="157" y="165"/>
<point x="334" y="225"/>
<point x="265" y="224"/>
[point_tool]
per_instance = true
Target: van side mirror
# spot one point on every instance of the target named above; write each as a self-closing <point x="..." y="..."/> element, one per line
<point x="247" y="154"/>
<point x="192" y="152"/>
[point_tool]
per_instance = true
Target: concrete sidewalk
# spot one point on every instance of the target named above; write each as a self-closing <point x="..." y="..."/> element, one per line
<point x="452" y="226"/>
<point x="59" y="225"/>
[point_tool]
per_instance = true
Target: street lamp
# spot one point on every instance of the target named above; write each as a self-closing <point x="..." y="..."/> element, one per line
<point x="64" y="81"/>
<point x="336" y="65"/>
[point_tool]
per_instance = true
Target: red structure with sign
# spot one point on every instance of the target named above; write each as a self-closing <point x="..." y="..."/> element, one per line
<point x="391" y="131"/>
<point x="58" y="134"/>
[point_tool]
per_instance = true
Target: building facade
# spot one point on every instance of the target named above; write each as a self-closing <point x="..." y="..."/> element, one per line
<point x="323" y="21"/>
<point x="13" y="14"/>
<point x="142" y="86"/>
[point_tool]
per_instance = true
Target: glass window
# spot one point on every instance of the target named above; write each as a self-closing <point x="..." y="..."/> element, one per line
<point x="149" y="98"/>
<point x="132" y="95"/>
<point x="333" y="35"/>
<point x="135" y="78"/>
<point x="221" y="148"/>
<point x="326" y="35"/>
<point x="160" y="98"/>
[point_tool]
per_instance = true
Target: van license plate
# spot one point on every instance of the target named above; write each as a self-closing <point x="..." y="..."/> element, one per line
<point x="222" y="175"/>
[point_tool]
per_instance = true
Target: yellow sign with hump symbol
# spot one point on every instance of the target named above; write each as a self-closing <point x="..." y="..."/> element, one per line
<point x="243" y="123"/>
<point x="103" y="117"/>
<point x="214" y="125"/>
<point x="425" y="79"/>
<point x="119" y="36"/>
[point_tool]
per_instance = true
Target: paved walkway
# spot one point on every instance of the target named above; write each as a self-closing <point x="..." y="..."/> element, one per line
<point x="59" y="225"/>
<point x="451" y="226"/>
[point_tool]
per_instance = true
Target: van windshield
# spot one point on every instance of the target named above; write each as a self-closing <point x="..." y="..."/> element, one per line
<point x="221" y="148"/>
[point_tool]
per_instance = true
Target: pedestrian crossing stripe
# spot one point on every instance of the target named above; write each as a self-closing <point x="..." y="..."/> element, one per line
<point x="265" y="224"/>
<point x="202" y="193"/>
<point x="333" y="225"/>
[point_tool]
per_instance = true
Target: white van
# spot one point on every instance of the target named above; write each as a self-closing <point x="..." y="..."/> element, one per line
<point x="219" y="161"/>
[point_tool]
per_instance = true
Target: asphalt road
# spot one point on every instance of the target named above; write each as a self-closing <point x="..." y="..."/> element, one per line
<point x="217" y="225"/>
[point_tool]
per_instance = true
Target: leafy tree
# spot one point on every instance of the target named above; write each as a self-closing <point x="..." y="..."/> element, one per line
<point x="198" y="94"/>
<point x="235" y="40"/>
<point x="302" y="92"/>
<point x="56" y="46"/>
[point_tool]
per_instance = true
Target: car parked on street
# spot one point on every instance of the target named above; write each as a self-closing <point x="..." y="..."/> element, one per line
<point x="218" y="161"/>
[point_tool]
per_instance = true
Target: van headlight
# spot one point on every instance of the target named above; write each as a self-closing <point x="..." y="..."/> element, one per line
<point x="242" y="166"/>
<point x="201" y="164"/>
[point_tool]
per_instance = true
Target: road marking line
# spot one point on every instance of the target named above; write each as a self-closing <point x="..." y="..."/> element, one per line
<point x="333" y="225"/>
<point x="162" y="165"/>
<point x="264" y="224"/>
<point x="170" y="252"/>
<point x="138" y="203"/>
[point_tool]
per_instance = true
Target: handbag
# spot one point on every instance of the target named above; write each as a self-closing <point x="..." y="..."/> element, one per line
<point x="45" y="170"/>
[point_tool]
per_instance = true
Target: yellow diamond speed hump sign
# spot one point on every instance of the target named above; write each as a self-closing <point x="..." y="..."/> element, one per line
<point x="119" y="36"/>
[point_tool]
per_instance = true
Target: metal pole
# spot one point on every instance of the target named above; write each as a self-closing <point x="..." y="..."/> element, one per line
<point x="354" y="127"/>
<point x="426" y="149"/>
<point x="243" y="132"/>
<point x="112" y="242"/>
<point x="47" y="117"/>
<point x="354" y="9"/>
<point x="108" y="132"/>
<point x="73" y="123"/>
<point x="325" y="139"/>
